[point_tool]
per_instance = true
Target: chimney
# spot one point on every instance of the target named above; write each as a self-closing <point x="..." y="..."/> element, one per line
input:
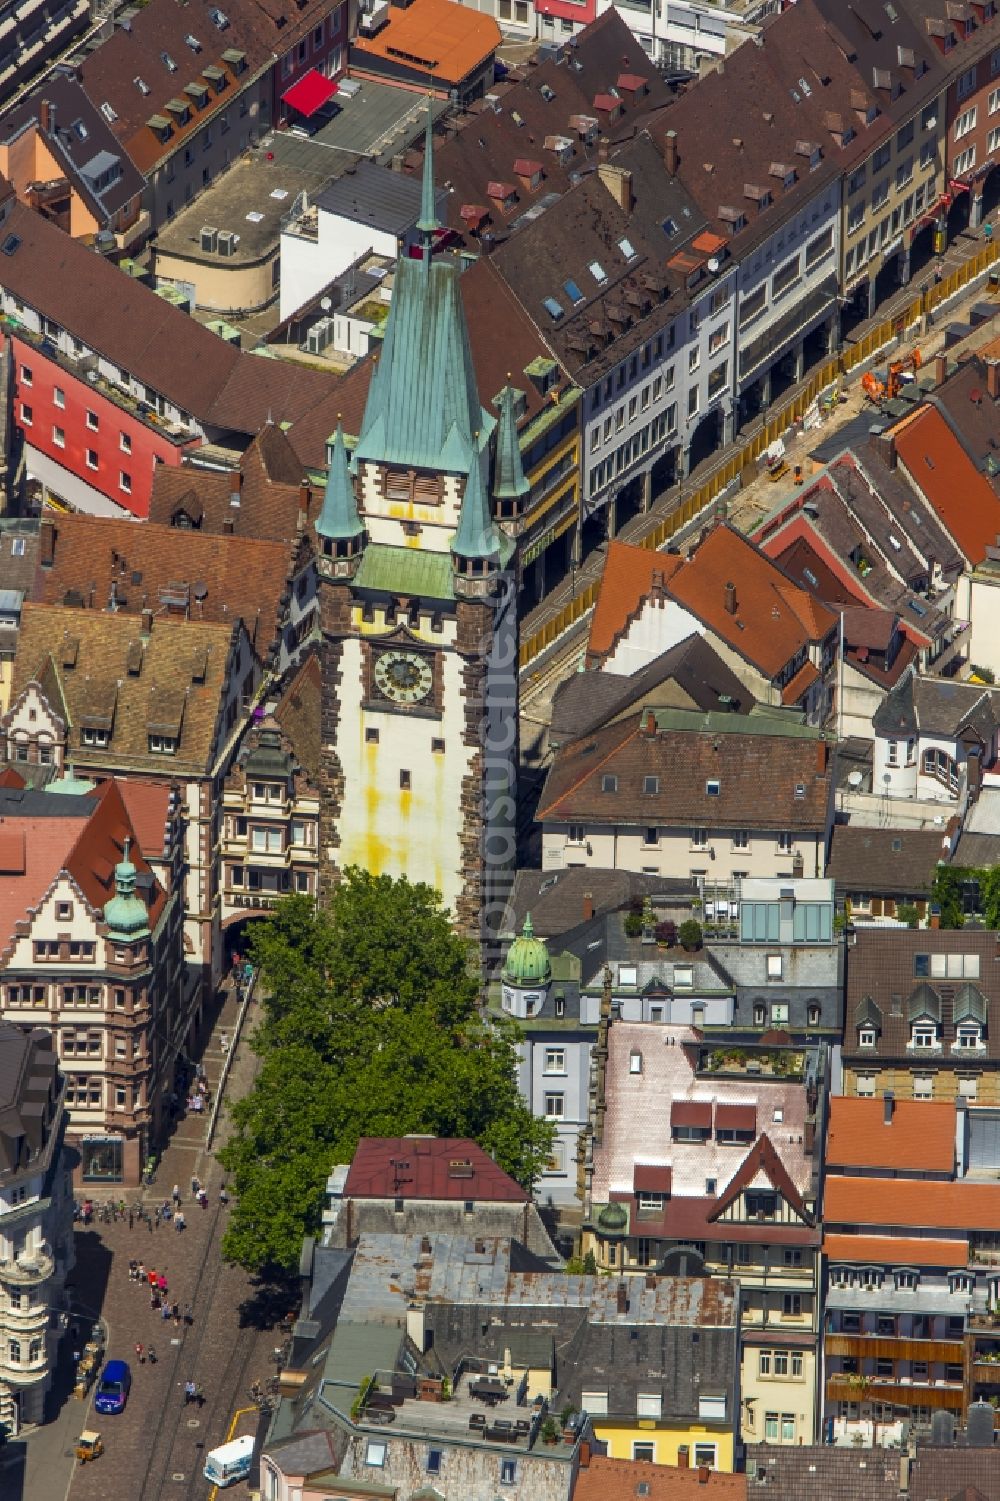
<point x="703" y="1470"/>
<point x="45" y="114"/>
<point x="47" y="542"/>
<point x="651" y="1280"/>
<point x="730" y="599"/>
<point x="934" y="921"/>
<point x="618" y="183"/>
<point x="236" y="488"/>
<point x="602" y="149"/>
<point x="305" y="500"/>
<point x="940" y="369"/>
<point x="993" y="379"/>
<point x="147" y="622"/>
<point x="585" y="1455"/>
<point x="683" y="1457"/>
<point x="904" y="1473"/>
<point x="888" y="1106"/>
<point x="622" y="1298"/>
<point x="670" y="152"/>
<point x="649" y="724"/>
<point x="588" y="906"/>
<point x="885" y="444"/>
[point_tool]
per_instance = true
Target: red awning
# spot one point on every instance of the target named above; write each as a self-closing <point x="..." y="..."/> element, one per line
<point x="736" y="1118"/>
<point x="692" y="1113"/>
<point x="309" y="93"/>
<point x="647" y="1178"/>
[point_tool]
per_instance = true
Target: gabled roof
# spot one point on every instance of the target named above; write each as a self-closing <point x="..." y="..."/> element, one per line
<point x="912" y="1203"/>
<point x="762" y="1159"/>
<point x="941" y="469"/>
<point x="919" y="1135"/>
<point x="425" y="1167"/>
<point x="176" y="572"/>
<point x="438" y="40"/>
<point x="606" y="1479"/>
<point x="630" y="574"/>
<point x="268" y="483"/>
<point x="172" y="683"/>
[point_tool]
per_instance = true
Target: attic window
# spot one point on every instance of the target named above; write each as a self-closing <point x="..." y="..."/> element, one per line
<point x="800" y="790"/>
<point x="635" y="1063"/>
<point x="573" y="292"/>
<point x="669" y="227"/>
<point x="11" y="244"/>
<point x="141" y="85"/>
<point x="627" y="248"/>
<point x="108" y="113"/>
<point x="193" y="42"/>
<point x="609" y="783"/>
<point x="651" y="785"/>
<point x="553" y="309"/>
<point x="713" y="787"/>
<point x="547" y="94"/>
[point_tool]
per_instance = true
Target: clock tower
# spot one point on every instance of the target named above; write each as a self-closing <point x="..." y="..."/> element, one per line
<point x="418" y="612"/>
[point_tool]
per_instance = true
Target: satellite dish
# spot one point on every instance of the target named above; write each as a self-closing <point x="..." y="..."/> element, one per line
<point x="200" y="590"/>
<point x="854" y="780"/>
<point x="887" y="777"/>
<point x="714" y="264"/>
<point x="326" y="304"/>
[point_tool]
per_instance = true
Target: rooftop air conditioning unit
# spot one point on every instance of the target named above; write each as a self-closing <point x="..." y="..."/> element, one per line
<point x="209" y="239"/>
<point x="228" y="242"/>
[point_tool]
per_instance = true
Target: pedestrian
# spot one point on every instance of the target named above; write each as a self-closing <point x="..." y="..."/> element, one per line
<point x="190" y="1392"/>
<point x="165" y="1313"/>
<point x="195" y="1184"/>
<point x="161" y="1283"/>
<point x="223" y="1196"/>
<point x="140" y="1354"/>
<point x="176" y="1314"/>
<point x="133" y="1270"/>
<point x="199" y="1393"/>
<point x="188" y="1315"/>
<point x="131" y="1217"/>
<point x="140" y="1273"/>
<point x="203" y="1199"/>
<point x="151" y="1353"/>
<point x="154" y="1301"/>
<point x="176" y="1196"/>
<point x="179" y="1221"/>
<point x="76" y="1357"/>
<point x="151" y="1275"/>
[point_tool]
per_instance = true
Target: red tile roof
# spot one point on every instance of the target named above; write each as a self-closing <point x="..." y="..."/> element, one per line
<point x="606" y="1479"/>
<point x="647" y="1177"/>
<point x="692" y="1113"/>
<point x="736" y="1118"/>
<point x="148" y="808"/>
<point x="629" y="574"/>
<point x="800" y="683"/>
<point x="941" y="469"/>
<point x="910" y="1203"/>
<point x="920" y="1135"/>
<point x="761" y="1158"/>
<point x="891" y="1250"/>
<point x="424" y="1167"/>
<point x="436" y="37"/>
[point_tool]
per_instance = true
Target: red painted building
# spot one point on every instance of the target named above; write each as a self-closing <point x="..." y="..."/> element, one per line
<point x="81" y="445"/>
<point x="581" y="14"/>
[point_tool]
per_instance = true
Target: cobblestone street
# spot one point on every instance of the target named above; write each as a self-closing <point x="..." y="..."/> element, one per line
<point x="158" y="1445"/>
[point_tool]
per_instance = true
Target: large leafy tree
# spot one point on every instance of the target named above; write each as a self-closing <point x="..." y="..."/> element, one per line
<point x="370" y="1028"/>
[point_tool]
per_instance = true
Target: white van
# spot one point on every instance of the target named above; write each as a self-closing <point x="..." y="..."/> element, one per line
<point x="230" y="1462"/>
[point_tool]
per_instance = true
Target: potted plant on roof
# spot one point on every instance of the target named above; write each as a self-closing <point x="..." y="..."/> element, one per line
<point x="666" y="933"/>
<point x="550" y="1431"/>
<point x="690" y="935"/>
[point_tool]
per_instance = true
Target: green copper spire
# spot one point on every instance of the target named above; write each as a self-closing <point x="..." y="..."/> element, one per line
<point x="509" y="482"/>
<point x="338" y="519"/>
<point x="428" y="223"/>
<point x="125" y="914"/>
<point x="476" y="536"/>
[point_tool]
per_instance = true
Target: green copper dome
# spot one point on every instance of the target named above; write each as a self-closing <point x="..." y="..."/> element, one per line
<point x="612" y="1217"/>
<point x="125" y="914"/>
<point x="527" y="959"/>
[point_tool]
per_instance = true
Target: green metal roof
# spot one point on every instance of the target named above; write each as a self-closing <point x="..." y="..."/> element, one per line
<point x="428" y="221"/>
<point x="338" y="518"/>
<point x="476" y="536"/>
<point x="406" y="570"/>
<point x="423" y="408"/>
<point x="760" y="721"/>
<point x="509" y="482"/>
<point x="539" y="366"/>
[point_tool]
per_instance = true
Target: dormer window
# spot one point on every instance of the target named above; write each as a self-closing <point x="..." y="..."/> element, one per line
<point x="969" y="1035"/>
<point x="924" y="1035"/>
<point x="866" y="1037"/>
<point x="761" y="1206"/>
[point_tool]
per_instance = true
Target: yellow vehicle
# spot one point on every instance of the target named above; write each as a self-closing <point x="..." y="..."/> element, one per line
<point x="89" y="1445"/>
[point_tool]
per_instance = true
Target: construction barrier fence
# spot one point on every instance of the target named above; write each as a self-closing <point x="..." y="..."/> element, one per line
<point x="783" y="418"/>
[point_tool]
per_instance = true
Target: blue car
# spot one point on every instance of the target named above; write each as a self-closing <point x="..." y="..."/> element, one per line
<point x="113" y="1387"/>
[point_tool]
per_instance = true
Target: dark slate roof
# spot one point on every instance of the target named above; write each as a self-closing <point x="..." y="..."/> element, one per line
<point x="78" y="133"/>
<point x="29" y="1089"/>
<point x="556" y="898"/>
<point x="702" y="680"/>
<point x="943" y="1472"/>
<point x="881" y="966"/>
<point x="375" y="196"/>
<point x="890" y="862"/>
<point x="822" y="1472"/>
<point x="944" y="707"/>
<point x="896" y="715"/>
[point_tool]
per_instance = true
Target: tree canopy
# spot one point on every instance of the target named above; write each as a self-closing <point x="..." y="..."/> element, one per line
<point x="370" y="1027"/>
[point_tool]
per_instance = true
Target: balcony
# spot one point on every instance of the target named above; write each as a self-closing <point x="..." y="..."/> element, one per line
<point x="894" y="1347"/>
<point x="27" y="1273"/>
<point x="841" y="1388"/>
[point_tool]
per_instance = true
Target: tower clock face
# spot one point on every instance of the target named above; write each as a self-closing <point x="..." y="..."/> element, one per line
<point x="406" y="677"/>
